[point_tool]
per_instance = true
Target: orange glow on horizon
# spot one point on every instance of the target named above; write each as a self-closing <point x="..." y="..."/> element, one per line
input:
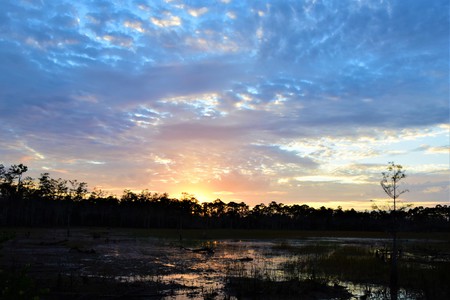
<point x="204" y="193"/>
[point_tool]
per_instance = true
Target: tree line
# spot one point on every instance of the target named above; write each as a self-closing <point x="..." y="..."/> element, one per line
<point x="50" y="202"/>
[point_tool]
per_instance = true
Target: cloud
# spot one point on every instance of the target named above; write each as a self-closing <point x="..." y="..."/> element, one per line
<point x="433" y="150"/>
<point x="198" y="12"/>
<point x="168" y="21"/>
<point x="251" y="95"/>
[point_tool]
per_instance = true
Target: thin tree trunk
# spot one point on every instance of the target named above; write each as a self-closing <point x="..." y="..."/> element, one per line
<point x="394" y="269"/>
<point x="394" y="264"/>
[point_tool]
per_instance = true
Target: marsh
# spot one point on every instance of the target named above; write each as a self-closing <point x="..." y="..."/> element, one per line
<point x="111" y="263"/>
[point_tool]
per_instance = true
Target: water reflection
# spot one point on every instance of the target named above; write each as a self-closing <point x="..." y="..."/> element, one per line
<point x="176" y="270"/>
<point x="191" y="275"/>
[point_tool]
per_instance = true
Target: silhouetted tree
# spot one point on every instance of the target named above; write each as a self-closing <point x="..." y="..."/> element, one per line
<point x="46" y="201"/>
<point x="75" y="192"/>
<point x="390" y="185"/>
<point x="235" y="213"/>
<point x="11" y="179"/>
<point x="11" y="193"/>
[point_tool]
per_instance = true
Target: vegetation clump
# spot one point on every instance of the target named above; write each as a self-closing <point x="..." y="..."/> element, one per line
<point x="256" y="288"/>
<point x="364" y="265"/>
<point x="16" y="283"/>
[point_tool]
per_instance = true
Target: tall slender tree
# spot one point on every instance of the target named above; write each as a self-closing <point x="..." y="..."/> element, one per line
<point x="390" y="184"/>
<point x="11" y="179"/>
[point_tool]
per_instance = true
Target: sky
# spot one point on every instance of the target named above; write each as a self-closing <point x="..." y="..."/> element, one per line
<point x="299" y="102"/>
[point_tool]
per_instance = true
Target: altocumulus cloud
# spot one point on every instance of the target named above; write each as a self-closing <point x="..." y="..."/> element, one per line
<point x="249" y="99"/>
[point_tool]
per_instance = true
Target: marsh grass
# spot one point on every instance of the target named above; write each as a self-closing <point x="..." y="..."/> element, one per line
<point x="424" y="271"/>
<point x="5" y="235"/>
<point x="432" y="281"/>
<point x="255" y="288"/>
<point x="359" y="265"/>
<point x="16" y="283"/>
<point x="265" y="280"/>
<point x="355" y="264"/>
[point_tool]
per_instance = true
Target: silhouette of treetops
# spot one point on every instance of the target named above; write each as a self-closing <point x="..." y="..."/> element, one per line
<point x="46" y="201"/>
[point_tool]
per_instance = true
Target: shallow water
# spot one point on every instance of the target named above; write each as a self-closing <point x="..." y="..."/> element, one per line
<point x="180" y="272"/>
<point x="198" y="274"/>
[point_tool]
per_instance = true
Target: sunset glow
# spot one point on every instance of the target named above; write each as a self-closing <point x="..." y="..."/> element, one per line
<point x="289" y="101"/>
